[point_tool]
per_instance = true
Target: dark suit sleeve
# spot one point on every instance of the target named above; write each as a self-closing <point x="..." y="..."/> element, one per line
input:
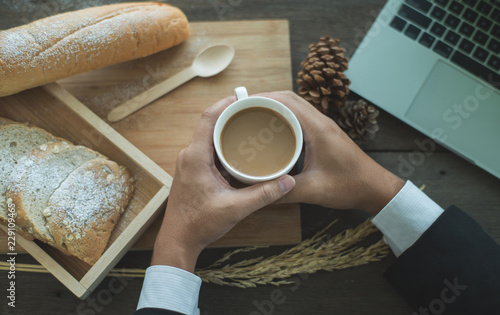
<point x="155" y="311"/>
<point x="453" y="268"/>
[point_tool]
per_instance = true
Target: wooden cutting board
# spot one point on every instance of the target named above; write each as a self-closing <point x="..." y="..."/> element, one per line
<point x="160" y="130"/>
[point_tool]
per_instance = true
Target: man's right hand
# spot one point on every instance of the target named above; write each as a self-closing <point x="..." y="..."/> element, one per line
<point x="337" y="173"/>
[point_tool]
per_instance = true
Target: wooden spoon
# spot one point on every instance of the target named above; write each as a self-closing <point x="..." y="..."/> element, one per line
<point x="207" y="63"/>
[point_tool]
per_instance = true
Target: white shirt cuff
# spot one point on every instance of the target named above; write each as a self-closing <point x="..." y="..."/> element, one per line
<point x="406" y="217"/>
<point x="170" y="288"/>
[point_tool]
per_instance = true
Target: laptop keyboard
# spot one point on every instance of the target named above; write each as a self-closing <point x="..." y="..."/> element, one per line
<point x="467" y="32"/>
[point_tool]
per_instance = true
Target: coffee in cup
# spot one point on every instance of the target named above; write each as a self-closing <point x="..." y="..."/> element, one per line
<point x="258" y="141"/>
<point x="257" y="138"/>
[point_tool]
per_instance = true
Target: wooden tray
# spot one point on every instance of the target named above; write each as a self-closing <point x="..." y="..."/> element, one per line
<point x="55" y="110"/>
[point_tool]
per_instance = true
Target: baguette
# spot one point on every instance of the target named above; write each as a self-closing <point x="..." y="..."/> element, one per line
<point x="63" y="45"/>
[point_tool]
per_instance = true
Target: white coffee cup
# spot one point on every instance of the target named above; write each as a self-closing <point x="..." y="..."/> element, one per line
<point x="244" y="102"/>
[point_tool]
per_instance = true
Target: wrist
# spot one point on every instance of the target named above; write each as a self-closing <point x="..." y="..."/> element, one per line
<point x="169" y="253"/>
<point x="381" y="190"/>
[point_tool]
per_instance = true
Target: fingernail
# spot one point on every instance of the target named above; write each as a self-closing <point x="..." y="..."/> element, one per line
<point x="286" y="183"/>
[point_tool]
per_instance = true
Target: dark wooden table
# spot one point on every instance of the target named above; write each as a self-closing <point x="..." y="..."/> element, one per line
<point x="361" y="290"/>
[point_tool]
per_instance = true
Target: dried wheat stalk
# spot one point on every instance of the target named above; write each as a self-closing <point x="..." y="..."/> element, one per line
<point x="319" y="252"/>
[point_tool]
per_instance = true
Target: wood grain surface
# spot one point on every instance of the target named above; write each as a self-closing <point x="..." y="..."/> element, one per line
<point x="362" y="290"/>
<point x="163" y="128"/>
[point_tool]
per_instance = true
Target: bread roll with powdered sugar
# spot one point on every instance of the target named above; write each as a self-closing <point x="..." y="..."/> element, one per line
<point x="65" y="195"/>
<point x="63" y="45"/>
<point x="83" y="211"/>
<point x="36" y="176"/>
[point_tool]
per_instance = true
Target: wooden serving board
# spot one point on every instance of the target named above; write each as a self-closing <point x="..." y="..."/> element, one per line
<point x="160" y="130"/>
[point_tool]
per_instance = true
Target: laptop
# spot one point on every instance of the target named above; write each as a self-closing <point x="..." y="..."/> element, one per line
<point x="436" y="66"/>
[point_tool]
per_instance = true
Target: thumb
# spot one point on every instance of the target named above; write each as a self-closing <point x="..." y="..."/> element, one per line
<point x="304" y="191"/>
<point x="252" y="198"/>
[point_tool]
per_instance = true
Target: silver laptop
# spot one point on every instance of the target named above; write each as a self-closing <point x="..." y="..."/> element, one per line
<point x="436" y="66"/>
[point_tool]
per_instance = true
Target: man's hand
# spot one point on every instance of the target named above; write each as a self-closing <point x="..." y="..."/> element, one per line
<point x="202" y="206"/>
<point x="337" y="173"/>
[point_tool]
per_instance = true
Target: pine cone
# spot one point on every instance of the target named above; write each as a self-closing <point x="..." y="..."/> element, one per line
<point x="322" y="80"/>
<point x="358" y="119"/>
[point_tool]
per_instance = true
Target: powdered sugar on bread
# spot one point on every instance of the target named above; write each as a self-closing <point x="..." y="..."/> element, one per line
<point x="15" y="141"/>
<point x="68" y="196"/>
<point x="35" y="178"/>
<point x="83" y="211"/>
<point x="74" y="42"/>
